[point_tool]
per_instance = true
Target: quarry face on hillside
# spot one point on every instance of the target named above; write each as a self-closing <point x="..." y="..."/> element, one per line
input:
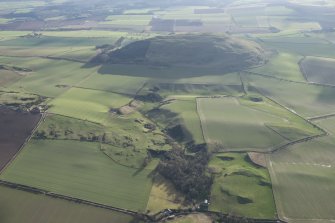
<point x="224" y="52"/>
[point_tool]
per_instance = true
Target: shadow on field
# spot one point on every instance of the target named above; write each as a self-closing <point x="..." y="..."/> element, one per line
<point x="136" y="70"/>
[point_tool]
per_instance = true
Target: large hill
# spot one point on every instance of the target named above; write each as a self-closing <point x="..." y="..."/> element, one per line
<point x="224" y="52"/>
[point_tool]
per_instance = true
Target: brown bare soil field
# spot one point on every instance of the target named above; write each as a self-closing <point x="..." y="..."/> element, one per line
<point x="258" y="158"/>
<point x="15" y="128"/>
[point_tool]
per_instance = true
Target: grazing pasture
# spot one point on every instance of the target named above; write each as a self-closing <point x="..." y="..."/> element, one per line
<point x="232" y="124"/>
<point x="303" y="178"/>
<point x="20" y="206"/>
<point x="55" y="41"/>
<point x="240" y="187"/>
<point x="49" y="77"/>
<point x="305" y="99"/>
<point x="187" y="112"/>
<point x="227" y="123"/>
<point x="15" y="128"/>
<point x="189" y="89"/>
<point x="227" y="79"/>
<point x="81" y="170"/>
<point x="8" y="77"/>
<point x="128" y="20"/>
<point x="114" y="82"/>
<point x="128" y="139"/>
<point x="122" y="83"/>
<point x="192" y="218"/>
<point x="319" y="70"/>
<point x="86" y="104"/>
<point x="284" y="66"/>
<point x="307" y="47"/>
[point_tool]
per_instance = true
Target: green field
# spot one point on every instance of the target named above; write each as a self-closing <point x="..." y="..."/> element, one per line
<point x="240" y="187"/>
<point x="56" y="41"/>
<point x="301" y="46"/>
<point x="114" y="82"/>
<point x="231" y="85"/>
<point x="81" y="170"/>
<point x="187" y="111"/>
<point x="86" y="104"/>
<point x="132" y="20"/>
<point x="125" y="140"/>
<point x="303" y="179"/>
<point x="225" y="122"/>
<point x="122" y="82"/>
<point x="282" y="65"/>
<point x="232" y="124"/>
<point x="8" y="77"/>
<point x="20" y="206"/>
<point x="319" y="70"/>
<point x="306" y="100"/>
<point x="48" y="77"/>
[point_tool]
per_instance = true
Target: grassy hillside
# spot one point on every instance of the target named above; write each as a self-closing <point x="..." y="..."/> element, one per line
<point x="241" y="187"/>
<point x="203" y="51"/>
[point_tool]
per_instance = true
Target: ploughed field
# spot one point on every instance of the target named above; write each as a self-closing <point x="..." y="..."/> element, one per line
<point x="15" y="128"/>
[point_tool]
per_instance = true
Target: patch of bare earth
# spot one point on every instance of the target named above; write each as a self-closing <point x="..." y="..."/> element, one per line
<point x="258" y="158"/>
<point x="130" y="108"/>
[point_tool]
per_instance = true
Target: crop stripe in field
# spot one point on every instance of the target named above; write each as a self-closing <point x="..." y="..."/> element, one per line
<point x="107" y="91"/>
<point x="242" y="84"/>
<point x="200" y="117"/>
<point x="202" y="120"/>
<point x="302" y="70"/>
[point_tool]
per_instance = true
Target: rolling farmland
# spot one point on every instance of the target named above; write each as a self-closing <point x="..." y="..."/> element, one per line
<point x="86" y="104"/>
<point x="36" y="208"/>
<point x="80" y="170"/>
<point x="227" y="109"/>
<point x="189" y="105"/>
<point x="306" y="100"/>
<point x="302" y="178"/>
<point x="264" y="125"/>
<point x="244" y="191"/>
<point x="319" y="70"/>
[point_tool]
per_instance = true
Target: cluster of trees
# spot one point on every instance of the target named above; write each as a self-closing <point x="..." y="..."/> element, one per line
<point x="188" y="173"/>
